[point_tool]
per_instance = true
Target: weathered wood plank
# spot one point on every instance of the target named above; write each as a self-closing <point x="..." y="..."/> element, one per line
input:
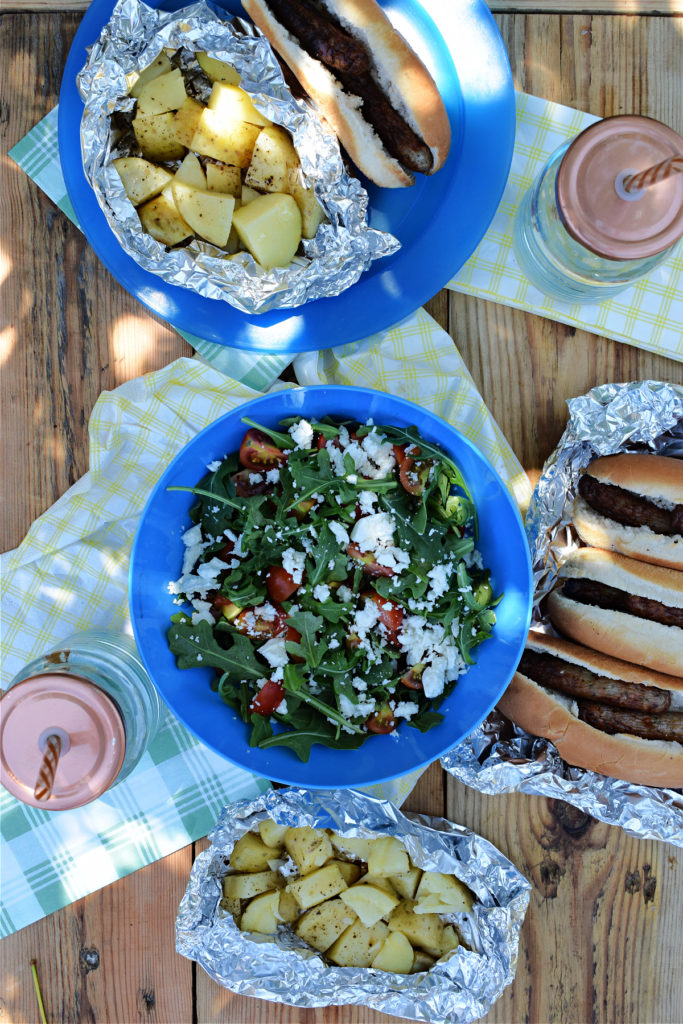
<point x="647" y="7"/>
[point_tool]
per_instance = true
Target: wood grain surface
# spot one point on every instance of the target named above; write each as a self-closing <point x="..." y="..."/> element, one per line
<point x="602" y="940"/>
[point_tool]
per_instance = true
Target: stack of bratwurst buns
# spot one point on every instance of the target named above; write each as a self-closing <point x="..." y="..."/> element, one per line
<point x="612" y="701"/>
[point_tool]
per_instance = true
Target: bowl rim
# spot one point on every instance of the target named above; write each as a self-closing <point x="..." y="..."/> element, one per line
<point x="237" y="413"/>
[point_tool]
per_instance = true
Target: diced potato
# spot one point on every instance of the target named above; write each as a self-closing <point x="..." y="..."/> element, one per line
<point x="141" y="179"/>
<point x="423" y="930"/>
<point x="231" y="142"/>
<point x="422" y="962"/>
<point x="221" y="178"/>
<point x="160" y="66"/>
<point x="166" y="92"/>
<point x="236" y="104"/>
<point x="406" y="882"/>
<point x="250" y="853"/>
<point x="322" y="925"/>
<point x="271" y="833"/>
<point x="270" y="228"/>
<point x="248" y="194"/>
<point x="288" y="908"/>
<point x="191" y="172"/>
<point x="233" y="243"/>
<point x="317" y="886"/>
<point x="358" y="945"/>
<point x="350" y="872"/>
<point x="245" y="886"/>
<point x="273" y="161"/>
<point x="370" y="903"/>
<point x="210" y="215"/>
<point x="217" y="70"/>
<point x="312" y="213"/>
<point x="160" y="218"/>
<point x="186" y="120"/>
<point x="454" y="896"/>
<point x="309" y="848"/>
<point x="233" y="906"/>
<point x="450" y="940"/>
<point x="352" y="846"/>
<point x="380" y="882"/>
<point x="395" y="954"/>
<point x="388" y="856"/>
<point x="155" y="137"/>
<point x="260" y="914"/>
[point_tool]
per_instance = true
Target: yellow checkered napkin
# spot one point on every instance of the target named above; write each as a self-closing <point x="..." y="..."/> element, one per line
<point x="70" y="573"/>
<point x="649" y="314"/>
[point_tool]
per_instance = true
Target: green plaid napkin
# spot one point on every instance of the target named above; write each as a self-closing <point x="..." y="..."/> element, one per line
<point x="649" y="314"/>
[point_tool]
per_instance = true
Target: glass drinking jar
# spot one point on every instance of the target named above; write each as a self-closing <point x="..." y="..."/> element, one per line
<point x="93" y="694"/>
<point x="579" y="235"/>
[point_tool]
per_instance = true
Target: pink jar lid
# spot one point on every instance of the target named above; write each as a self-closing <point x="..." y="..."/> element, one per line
<point x="89" y="724"/>
<point x="591" y="203"/>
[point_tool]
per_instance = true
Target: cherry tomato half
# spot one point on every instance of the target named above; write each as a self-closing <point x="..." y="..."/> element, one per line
<point x="259" y="623"/>
<point x="413" y="677"/>
<point x="222" y="605"/>
<point x="366" y="559"/>
<point x="294" y="637"/>
<point x="382" y="721"/>
<point x="268" y="698"/>
<point x="280" y="584"/>
<point x="245" y="487"/>
<point x="390" y="614"/>
<point x="258" y="452"/>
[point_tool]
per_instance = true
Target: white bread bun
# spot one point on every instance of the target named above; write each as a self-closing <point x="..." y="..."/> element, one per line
<point x="617" y="633"/>
<point x="653" y="477"/>
<point x="543" y="712"/>
<point x="396" y="67"/>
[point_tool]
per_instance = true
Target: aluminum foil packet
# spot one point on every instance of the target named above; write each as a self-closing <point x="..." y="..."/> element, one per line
<point x="341" y="250"/>
<point x="284" y="969"/>
<point x="499" y="757"/>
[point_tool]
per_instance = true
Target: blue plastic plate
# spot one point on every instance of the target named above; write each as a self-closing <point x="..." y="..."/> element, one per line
<point x="439" y="221"/>
<point x="158" y="554"/>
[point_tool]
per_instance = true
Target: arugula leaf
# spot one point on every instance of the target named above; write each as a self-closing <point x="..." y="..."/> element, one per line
<point x="208" y="494"/>
<point x="425" y="720"/>
<point x="308" y="648"/>
<point x="195" y="646"/>
<point x="301" y="740"/>
<point x="326" y="549"/>
<point x="281" y="440"/>
<point x="261" y="730"/>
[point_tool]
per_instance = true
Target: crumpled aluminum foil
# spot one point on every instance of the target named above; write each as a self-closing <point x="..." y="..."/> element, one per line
<point x="341" y="250"/>
<point x="284" y="969"/>
<point x="499" y="757"/>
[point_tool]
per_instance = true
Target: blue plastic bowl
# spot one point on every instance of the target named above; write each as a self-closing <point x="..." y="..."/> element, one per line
<point x="157" y="558"/>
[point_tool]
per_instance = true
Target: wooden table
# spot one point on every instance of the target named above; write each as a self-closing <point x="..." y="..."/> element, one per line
<point x="602" y="940"/>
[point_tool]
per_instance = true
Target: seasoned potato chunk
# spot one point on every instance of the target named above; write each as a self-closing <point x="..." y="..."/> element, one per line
<point x="221" y="178"/>
<point x="358" y="945"/>
<point x="350" y="872"/>
<point x="318" y="886"/>
<point x="158" y="67"/>
<point x="210" y="215"/>
<point x="217" y="70"/>
<point x="271" y="834"/>
<point x="272" y="162"/>
<point x="186" y="120"/>
<point x="288" y="908"/>
<point x="322" y="925"/>
<point x="312" y="213"/>
<point x="423" y="930"/>
<point x="388" y="857"/>
<point x="261" y="914"/>
<point x="270" y="228"/>
<point x="190" y="172"/>
<point x="422" y="962"/>
<point x="141" y="179"/>
<point x="245" y="886"/>
<point x="250" y="853"/>
<point x="395" y="954"/>
<point x="165" y="92"/>
<point x="309" y="848"/>
<point x="450" y="940"/>
<point x="160" y="218"/>
<point x="231" y="142"/>
<point x="352" y="846"/>
<point x="235" y="104"/>
<point x="442" y="894"/>
<point x="406" y="882"/>
<point x="370" y="903"/>
<point x="154" y="133"/>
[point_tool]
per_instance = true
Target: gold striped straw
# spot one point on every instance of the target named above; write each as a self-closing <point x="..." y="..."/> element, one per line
<point x="46" y="775"/>
<point x="653" y="175"/>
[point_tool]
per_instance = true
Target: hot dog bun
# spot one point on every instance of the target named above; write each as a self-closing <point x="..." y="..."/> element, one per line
<point x="543" y="712"/>
<point x="393" y="65"/>
<point x="621" y="633"/>
<point x="619" y="520"/>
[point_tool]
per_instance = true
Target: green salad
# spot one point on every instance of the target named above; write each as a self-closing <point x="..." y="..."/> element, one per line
<point x="334" y="583"/>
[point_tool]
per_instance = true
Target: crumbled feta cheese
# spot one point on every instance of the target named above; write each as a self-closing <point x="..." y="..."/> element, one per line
<point x="366" y="500"/>
<point x="340" y="533"/>
<point x="333" y="644"/>
<point x="350" y="710"/>
<point x="272" y="476"/>
<point x="282" y="707"/>
<point x="293" y="562"/>
<point x="255" y="478"/>
<point x="352" y="478"/>
<point x="213" y="466"/>
<point x="274" y="651"/>
<point x="321" y="592"/>
<point x="439" y="576"/>
<point x="202" y="613"/>
<point x="365" y="618"/>
<point x="406" y="709"/>
<point x="302" y="434"/>
<point x="345" y="593"/>
<point x="374" y="531"/>
<point x="473" y="559"/>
